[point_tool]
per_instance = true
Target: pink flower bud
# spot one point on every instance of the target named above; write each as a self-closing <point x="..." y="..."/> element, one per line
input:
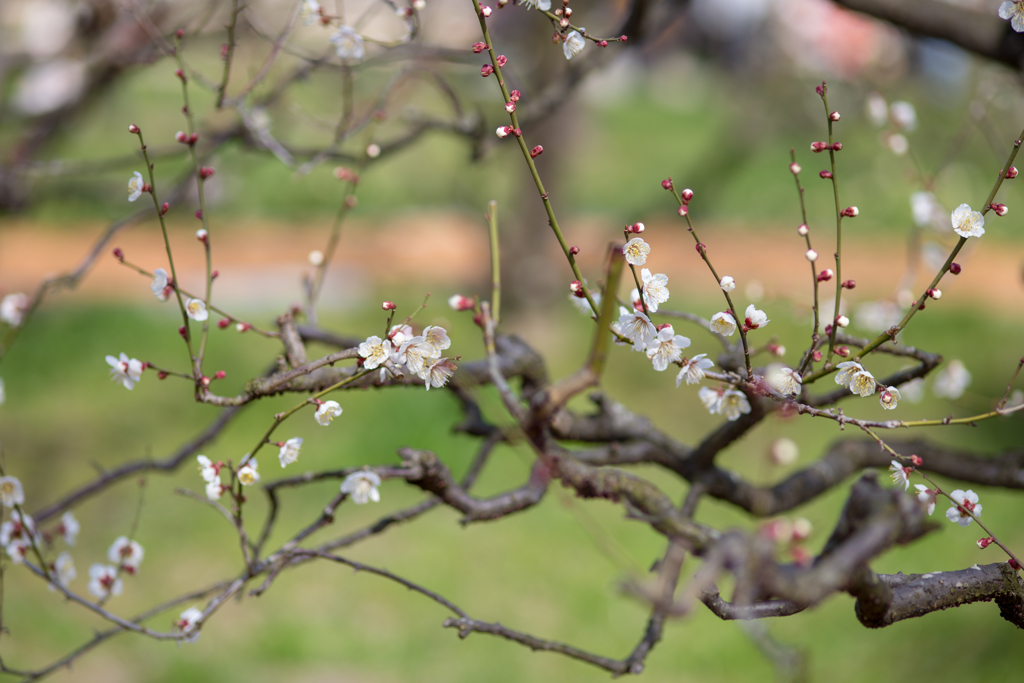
<point x="183" y="332"/>
<point x="161" y="375"/>
<point x="985" y="542"/>
<point x="999" y="209"/>
<point x="243" y="327"/>
<point x="459" y="302"/>
<point x="666" y="184"/>
<point x="515" y="95"/>
<point x="180" y="34"/>
<point x="834" y="116"/>
<point x="181" y="137"/>
<point x="563" y="22"/>
<point x="1011" y="173"/>
<point x="517" y="132"/>
<point x="683" y="210"/>
<point x="205" y="381"/>
<point x="388" y="306"/>
<point x="934" y="293"/>
<point x="199" y="214"/>
<point x="479" y="47"/>
<point x="828" y="329"/>
<point x="851" y="211"/>
<point x="917" y="460"/>
<point x="503" y="131"/>
<point x="214" y="275"/>
<point x="602" y="43"/>
<point x="637" y="228"/>
<point x="576" y="287"/>
<point x="205" y="172"/>
<point x="701" y="248"/>
<point x="955" y="268"/>
<point x="821" y="89"/>
<point x="536" y="152"/>
<point x="192" y="138"/>
<point x="843" y="351"/>
<point x="224" y="51"/>
<point x="220" y="374"/>
<point x="351" y="201"/>
<point x="574" y="250"/>
<point x="794" y="168"/>
<point x="223" y="322"/>
<point x="802" y="230"/>
<point x="687" y="195"/>
<point x="164" y="208"/>
<point x="346" y="174"/>
<point x="502" y="60"/>
<point x="817" y="147"/>
<point x="827" y="175"/>
<point x="510" y="107"/>
<point x="133" y="129"/>
<point x="485" y="11"/>
<point x="816" y="356"/>
<point x="180" y="74"/>
<point x="836" y="146"/>
<point x="811" y="255"/>
<point x="118" y="254"/>
<point x="849" y="284"/>
<point x="1014" y="564"/>
<point x="201" y="235"/>
<point x="486" y="70"/>
<point x="622" y="38"/>
<point x="825" y="275"/>
<point x="568" y="11"/>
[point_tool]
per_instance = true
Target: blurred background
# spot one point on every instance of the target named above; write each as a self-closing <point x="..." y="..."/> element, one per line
<point x="712" y="94"/>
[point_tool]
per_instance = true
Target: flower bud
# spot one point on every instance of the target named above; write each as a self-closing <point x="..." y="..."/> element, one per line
<point x="205" y="172"/>
<point x="683" y="210"/>
<point x="687" y="195"/>
<point x="223" y="322"/>
<point x="568" y="11"/>
<point x="727" y="284"/>
<point x="637" y="228"/>
<point x="828" y="329"/>
<point x="183" y="332"/>
<point x="501" y="3"/>
<point x="955" y="268"/>
<point x="623" y="38"/>
<point x="842" y="321"/>
<point x="536" y="152"/>
<point x="180" y="34"/>
<point x="503" y="131"/>
<point x="777" y="350"/>
<point x="563" y="22"/>
<point x="517" y="132"/>
<point x="220" y="374"/>
<point x="827" y="175"/>
<point x="576" y="287"/>
<point x="214" y="275"/>
<point x="999" y="209"/>
<point x="821" y="89"/>
<point x="118" y="254"/>
<point x="181" y="74"/>
<point x="502" y="60"/>
<point x="515" y="95"/>
<point x="816" y="356"/>
<point x="510" y="107"/>
<point x="181" y="137"/>
<point x="849" y="284"/>
<point x="802" y="230"/>
<point x="602" y="43"/>
<point x="458" y="302"/>
<point x="192" y="138"/>
<point x="818" y="147"/>
<point x="916" y="460"/>
<point x="1014" y="564"/>
<point x="934" y="293"/>
<point x="825" y="275"/>
<point x="164" y="208"/>
<point x="843" y="351"/>
<point x="851" y="211"/>
<point x="834" y="116"/>
<point x="205" y="381"/>
<point x="485" y="11"/>
<point x="811" y="255"/>
<point x="388" y="306"/>
<point x="133" y="129"/>
<point x="1011" y="173"/>
<point x="666" y="184"/>
<point x="802" y="528"/>
<point x="836" y="146"/>
<point x="486" y="70"/>
<point x="479" y="47"/>
<point x="574" y="250"/>
<point x="243" y="327"/>
<point x="202" y="235"/>
<point x="346" y="174"/>
<point x="161" y="375"/>
<point x="985" y="542"/>
<point x="199" y="214"/>
<point x="794" y="168"/>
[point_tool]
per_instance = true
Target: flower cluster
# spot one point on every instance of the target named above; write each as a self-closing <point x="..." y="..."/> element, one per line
<point x="854" y="377"/>
<point x="420" y="354"/>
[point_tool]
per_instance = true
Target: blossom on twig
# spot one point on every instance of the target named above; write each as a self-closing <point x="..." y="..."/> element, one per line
<point x="362" y="487"/>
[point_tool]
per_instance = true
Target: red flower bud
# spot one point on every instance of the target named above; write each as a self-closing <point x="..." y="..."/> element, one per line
<point x="817" y="147"/>
<point x="834" y="116"/>
<point x="821" y="89"/>
<point x="917" y="460"/>
<point x="180" y="34"/>
<point x="666" y="184"/>
<point x="985" y="542"/>
<point x="999" y="209"/>
<point x="683" y="210"/>
<point x="687" y="195"/>
<point x="622" y="38"/>
<point x="205" y="172"/>
<point x="118" y="254"/>
<point x="851" y="211"/>
<point x="181" y="74"/>
<point x="536" y="152"/>
<point x="165" y="208"/>
<point x="220" y="374"/>
<point x="843" y="351"/>
<point x="161" y="375"/>
<point x="836" y="146"/>
<point x="849" y="284"/>
<point x="825" y="275"/>
<point x="183" y="332"/>
<point x="486" y="70"/>
<point x="502" y="60"/>
<point x="181" y="137"/>
<point x="602" y="43"/>
<point x="1011" y="173"/>
<point x="388" y="306"/>
<point x="479" y="47"/>
<point x="955" y="268"/>
<point x="133" y="129"/>
<point x="515" y="95"/>
<point x="199" y="214"/>
<point x="574" y="250"/>
<point x="223" y="322"/>
<point x="825" y="174"/>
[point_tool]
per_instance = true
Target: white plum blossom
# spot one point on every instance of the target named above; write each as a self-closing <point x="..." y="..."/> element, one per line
<point x="159" y="284"/>
<point x="900" y="474"/>
<point x="966" y="501"/>
<point x="543" y="5"/>
<point x="637" y="328"/>
<point x="711" y="398"/>
<point x="188" y="621"/>
<point x="417" y="354"/>
<point x="125" y="370"/>
<point x="126" y="553"/>
<point x="733" y="404"/>
<point x="327" y="411"/>
<point x="310" y="12"/>
<point x="104" y="582"/>
<point x="17" y="550"/>
<point x="926" y="496"/>
<point x="666" y="348"/>
<point x="755" y="318"/>
<point x="574" y="44"/>
<point x="348" y="44"/>
<point x="1014" y="11"/>
<point x="69" y="527"/>
<point x="249" y="474"/>
<point x="636" y="251"/>
<point x="11" y="492"/>
<point x="362" y="487"/>
<point x="63" y="570"/>
<point x="903" y="115"/>
<point x="18" y="528"/>
<point x="399" y="334"/>
<point x="196" y="309"/>
<point x="967" y="223"/>
<point x="723" y="323"/>
<point x="727" y="284"/>
<point x="290" y="451"/>
<point x="214" y="489"/>
<point x="693" y="369"/>
<point x="13" y="309"/>
<point x="438" y="374"/>
<point x="655" y="289"/>
<point x="847" y="371"/>
<point x="926" y="210"/>
<point x="207" y="469"/>
<point x="316" y="258"/>
<point x="877" y="109"/>
<point x="889" y="397"/>
<point x="375" y="350"/>
<point x="437" y="337"/>
<point x="135" y="185"/>
<point x="862" y="383"/>
<point x="952" y="381"/>
<point x="786" y="381"/>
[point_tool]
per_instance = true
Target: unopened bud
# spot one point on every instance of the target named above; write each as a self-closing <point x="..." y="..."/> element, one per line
<point x="180" y="34"/>
<point x="199" y="214"/>
<point x="205" y="381"/>
<point x="515" y="95"/>
<point x="502" y="60"/>
<point x="576" y="287"/>
<point x="563" y="22"/>
<point x="202" y="235"/>
<point x="828" y="329"/>
<point x="517" y="132"/>
<point x="917" y="460"/>
<point x="183" y="332"/>
<point x="486" y="70"/>
<point x="602" y="43"/>
<point x="842" y="321"/>
<point x="181" y="74"/>
<point x="214" y="275"/>
<point x="223" y="322"/>
<point x="816" y="356"/>
<point x="821" y="89"/>
<point x="181" y="137"/>
<point x="574" y="250"/>
<point x="851" y="211"/>
<point x="1014" y="564"/>
<point x="164" y="208"/>
<point x="827" y="175"/>
<point x="351" y="201"/>
<point x="999" y="209"/>
<point x="802" y="230"/>
<point x="503" y="131"/>
<point x="777" y="350"/>
<point x="1011" y="173"/>
<point x="243" y="327"/>
<point x="811" y="255"/>
<point x="666" y="184"/>
<point x="373" y="150"/>
<point x="205" y="172"/>
<point x="985" y="542"/>
<point x="220" y="374"/>
<point x="843" y="351"/>
<point x="794" y="168"/>
<point x="133" y="129"/>
<point x="192" y="138"/>
<point x="568" y="11"/>
<point x="687" y="195"/>
<point x="536" y="152"/>
<point x="623" y="38"/>
<point x="479" y="47"/>
<point x="485" y="11"/>
<point x="458" y="302"/>
<point x="802" y="528"/>
<point x="637" y="228"/>
<point x="388" y="306"/>
<point x="118" y="254"/>
<point x="955" y="268"/>
<point x="683" y="210"/>
<point x="834" y="116"/>
<point x="836" y="146"/>
<point x="510" y="107"/>
<point x="161" y="375"/>
<point x="825" y="275"/>
<point x="849" y="284"/>
<point x="934" y="293"/>
<point x="818" y="147"/>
